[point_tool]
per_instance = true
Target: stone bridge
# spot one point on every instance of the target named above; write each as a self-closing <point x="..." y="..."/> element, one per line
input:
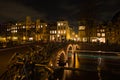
<point x="39" y="57"/>
<point x="60" y="57"/>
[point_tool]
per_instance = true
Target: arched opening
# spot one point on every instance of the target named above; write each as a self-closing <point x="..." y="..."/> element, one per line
<point x="69" y="54"/>
<point x="69" y="51"/>
<point x="61" y="60"/>
<point x="70" y="47"/>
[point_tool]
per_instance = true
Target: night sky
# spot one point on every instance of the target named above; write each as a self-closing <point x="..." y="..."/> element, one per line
<point x="52" y="10"/>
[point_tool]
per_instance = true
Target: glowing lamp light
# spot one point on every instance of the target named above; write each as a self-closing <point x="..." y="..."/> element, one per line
<point x="31" y="39"/>
<point x="14" y="38"/>
<point x="24" y="38"/>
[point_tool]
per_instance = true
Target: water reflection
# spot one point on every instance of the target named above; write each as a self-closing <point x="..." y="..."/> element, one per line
<point x="93" y="67"/>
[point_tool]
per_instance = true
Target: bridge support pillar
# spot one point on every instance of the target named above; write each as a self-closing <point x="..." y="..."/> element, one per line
<point x="74" y="58"/>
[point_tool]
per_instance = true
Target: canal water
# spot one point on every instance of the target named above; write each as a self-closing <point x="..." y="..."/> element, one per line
<point x="92" y="65"/>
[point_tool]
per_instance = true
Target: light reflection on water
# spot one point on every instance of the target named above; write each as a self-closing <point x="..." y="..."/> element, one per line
<point x="93" y="66"/>
<point x="75" y="75"/>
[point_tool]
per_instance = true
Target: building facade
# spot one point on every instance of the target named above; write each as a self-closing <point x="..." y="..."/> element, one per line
<point x="63" y="31"/>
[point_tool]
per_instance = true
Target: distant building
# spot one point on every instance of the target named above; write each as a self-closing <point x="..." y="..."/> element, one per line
<point x="101" y="33"/>
<point x="27" y="31"/>
<point x="82" y="33"/>
<point x="113" y="30"/>
<point x="88" y="31"/>
<point x="63" y="31"/>
<point x="53" y="31"/>
<point x="110" y="33"/>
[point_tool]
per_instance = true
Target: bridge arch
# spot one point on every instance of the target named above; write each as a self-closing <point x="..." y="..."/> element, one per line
<point x="69" y="47"/>
<point x="61" y="58"/>
<point x="63" y="55"/>
<point x="58" y="57"/>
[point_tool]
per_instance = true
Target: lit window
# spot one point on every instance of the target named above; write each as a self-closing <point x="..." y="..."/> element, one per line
<point x="103" y="34"/>
<point x="102" y="40"/>
<point x="81" y="27"/>
<point x="14" y="38"/>
<point x="58" y="24"/>
<point x="64" y="31"/>
<point x="58" y="32"/>
<point x="98" y="34"/>
<point x="14" y="31"/>
<point x="62" y="24"/>
<point x="41" y="26"/>
<point x="103" y="30"/>
<point x="13" y="27"/>
<point x="50" y="32"/>
<point x="55" y="31"/>
<point x="58" y="35"/>
<point x="53" y="38"/>
<point x="24" y="38"/>
<point x="8" y="29"/>
<point x="38" y="26"/>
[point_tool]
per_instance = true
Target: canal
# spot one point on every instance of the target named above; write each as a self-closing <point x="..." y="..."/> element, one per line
<point x="94" y="66"/>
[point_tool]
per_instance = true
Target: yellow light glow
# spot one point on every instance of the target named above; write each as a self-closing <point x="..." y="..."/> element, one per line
<point x="74" y="39"/>
<point x="14" y="31"/>
<point x="64" y="31"/>
<point x="58" y="32"/>
<point x="58" y="24"/>
<point x="14" y="38"/>
<point x="61" y="31"/>
<point x="58" y="35"/>
<point x="98" y="34"/>
<point x="61" y="24"/>
<point x="24" y="38"/>
<point x="53" y="38"/>
<point x="76" y="35"/>
<point x="23" y="27"/>
<point x="50" y="32"/>
<point x="73" y="33"/>
<point x="78" y="39"/>
<point x="55" y="31"/>
<point x="77" y="61"/>
<point x="2" y="39"/>
<point x="41" y="26"/>
<point x="101" y="40"/>
<point x="81" y="27"/>
<point x="94" y="40"/>
<point x="103" y="34"/>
